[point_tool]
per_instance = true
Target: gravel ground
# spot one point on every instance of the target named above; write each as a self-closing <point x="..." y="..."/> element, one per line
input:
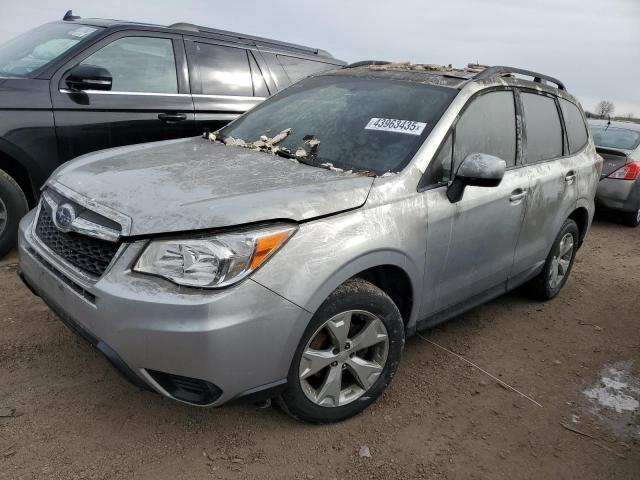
<point x="64" y="414"/>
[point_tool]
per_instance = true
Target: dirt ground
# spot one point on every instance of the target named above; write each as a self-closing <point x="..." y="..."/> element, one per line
<point x="65" y="414"/>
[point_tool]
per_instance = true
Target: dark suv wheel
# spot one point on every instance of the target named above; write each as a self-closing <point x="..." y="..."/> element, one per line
<point x="347" y="356"/>
<point x="13" y="206"/>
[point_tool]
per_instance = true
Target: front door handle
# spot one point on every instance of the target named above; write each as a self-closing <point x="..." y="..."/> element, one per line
<point x="570" y="177"/>
<point x="172" y="117"/>
<point x="517" y="195"/>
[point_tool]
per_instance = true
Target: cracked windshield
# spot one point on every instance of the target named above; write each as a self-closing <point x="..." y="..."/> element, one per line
<point x="345" y="122"/>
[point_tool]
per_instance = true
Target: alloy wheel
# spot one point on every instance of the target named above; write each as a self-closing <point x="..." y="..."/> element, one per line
<point x="561" y="261"/>
<point x="344" y="358"/>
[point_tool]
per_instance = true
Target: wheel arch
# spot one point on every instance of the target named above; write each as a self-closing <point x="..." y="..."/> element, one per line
<point x="19" y="172"/>
<point x="391" y="271"/>
<point x="581" y="216"/>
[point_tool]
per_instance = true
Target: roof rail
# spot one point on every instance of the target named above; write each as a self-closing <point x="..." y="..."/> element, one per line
<point x="249" y="39"/>
<point x="364" y="63"/>
<point x="502" y="71"/>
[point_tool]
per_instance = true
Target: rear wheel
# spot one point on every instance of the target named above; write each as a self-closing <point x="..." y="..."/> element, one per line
<point x="559" y="262"/>
<point x="347" y="356"/>
<point x="632" y="219"/>
<point x="13" y="206"/>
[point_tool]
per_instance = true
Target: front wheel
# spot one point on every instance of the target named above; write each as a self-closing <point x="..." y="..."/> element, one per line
<point x="347" y="355"/>
<point x="559" y="262"/>
<point x="13" y="206"/>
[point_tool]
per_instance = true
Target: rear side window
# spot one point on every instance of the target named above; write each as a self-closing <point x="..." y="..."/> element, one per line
<point x="487" y="126"/>
<point x="223" y="70"/>
<point x="544" y="131"/>
<point x="574" y="123"/>
<point x="299" y="68"/>
<point x="138" y="64"/>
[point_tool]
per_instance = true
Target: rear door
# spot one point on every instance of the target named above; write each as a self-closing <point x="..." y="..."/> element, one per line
<point x="554" y="173"/>
<point x="471" y="244"/>
<point x="149" y="99"/>
<point x="226" y="81"/>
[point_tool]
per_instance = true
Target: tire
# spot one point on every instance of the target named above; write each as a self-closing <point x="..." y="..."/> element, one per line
<point x="542" y="285"/>
<point x="367" y="308"/>
<point x="631" y="219"/>
<point x="13" y="206"/>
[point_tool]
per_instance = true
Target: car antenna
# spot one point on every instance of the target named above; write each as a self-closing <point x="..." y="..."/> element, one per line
<point x="69" y="16"/>
<point x="608" y="122"/>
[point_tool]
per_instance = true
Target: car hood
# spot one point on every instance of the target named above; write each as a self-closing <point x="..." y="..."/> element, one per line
<point x="193" y="184"/>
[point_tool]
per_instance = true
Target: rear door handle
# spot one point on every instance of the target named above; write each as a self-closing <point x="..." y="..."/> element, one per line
<point x="570" y="177"/>
<point x="517" y="195"/>
<point x="172" y="117"/>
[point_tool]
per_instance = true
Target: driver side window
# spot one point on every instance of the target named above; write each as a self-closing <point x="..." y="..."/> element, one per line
<point x="488" y="125"/>
<point x="138" y="64"/>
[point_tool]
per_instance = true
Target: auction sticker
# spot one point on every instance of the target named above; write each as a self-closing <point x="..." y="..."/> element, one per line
<point x="394" y="125"/>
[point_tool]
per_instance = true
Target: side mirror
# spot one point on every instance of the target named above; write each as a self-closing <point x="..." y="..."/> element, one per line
<point x="477" y="170"/>
<point x="89" y="77"/>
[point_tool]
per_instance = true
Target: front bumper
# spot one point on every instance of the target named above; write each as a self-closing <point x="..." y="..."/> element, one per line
<point x="615" y="194"/>
<point x="240" y="339"/>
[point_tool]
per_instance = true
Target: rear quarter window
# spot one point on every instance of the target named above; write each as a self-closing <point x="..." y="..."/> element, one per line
<point x="575" y="125"/>
<point x="299" y="68"/>
<point x="543" y="127"/>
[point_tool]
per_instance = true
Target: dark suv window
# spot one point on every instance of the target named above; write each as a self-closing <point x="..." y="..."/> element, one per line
<point x="574" y="123"/>
<point x="138" y="64"/>
<point x="544" y="131"/>
<point x="298" y="68"/>
<point x="223" y="70"/>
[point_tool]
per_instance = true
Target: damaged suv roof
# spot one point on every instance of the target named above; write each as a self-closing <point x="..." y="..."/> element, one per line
<point x="454" y="77"/>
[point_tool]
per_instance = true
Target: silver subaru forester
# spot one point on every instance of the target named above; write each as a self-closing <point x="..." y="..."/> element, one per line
<point x="290" y="254"/>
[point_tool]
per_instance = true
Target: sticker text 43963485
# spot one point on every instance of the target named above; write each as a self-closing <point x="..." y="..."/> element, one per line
<point x="394" y="125"/>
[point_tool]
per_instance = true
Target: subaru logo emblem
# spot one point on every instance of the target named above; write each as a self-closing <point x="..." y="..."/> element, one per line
<point x="64" y="217"/>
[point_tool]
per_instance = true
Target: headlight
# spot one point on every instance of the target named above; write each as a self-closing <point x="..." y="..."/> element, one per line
<point x="214" y="261"/>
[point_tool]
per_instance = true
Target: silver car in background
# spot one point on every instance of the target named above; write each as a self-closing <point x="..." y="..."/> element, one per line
<point x="291" y="253"/>
<point x="619" y="187"/>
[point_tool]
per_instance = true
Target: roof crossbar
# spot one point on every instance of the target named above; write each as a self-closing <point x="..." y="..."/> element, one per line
<point x="502" y="71"/>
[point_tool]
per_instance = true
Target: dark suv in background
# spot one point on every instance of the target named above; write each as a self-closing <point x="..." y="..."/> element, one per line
<point x="80" y="85"/>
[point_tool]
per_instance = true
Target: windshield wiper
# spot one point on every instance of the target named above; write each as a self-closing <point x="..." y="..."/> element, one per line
<point x="287" y="154"/>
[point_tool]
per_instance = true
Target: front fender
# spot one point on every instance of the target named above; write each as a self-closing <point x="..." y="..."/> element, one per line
<point x="325" y="253"/>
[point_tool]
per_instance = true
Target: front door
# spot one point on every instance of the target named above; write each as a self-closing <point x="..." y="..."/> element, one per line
<point x="471" y="244"/>
<point x="149" y="99"/>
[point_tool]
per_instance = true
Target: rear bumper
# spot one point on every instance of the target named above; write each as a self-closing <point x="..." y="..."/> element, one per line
<point x="238" y="340"/>
<point x="622" y="195"/>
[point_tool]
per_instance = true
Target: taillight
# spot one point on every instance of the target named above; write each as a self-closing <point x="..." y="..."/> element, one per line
<point x="629" y="171"/>
<point x="599" y="163"/>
